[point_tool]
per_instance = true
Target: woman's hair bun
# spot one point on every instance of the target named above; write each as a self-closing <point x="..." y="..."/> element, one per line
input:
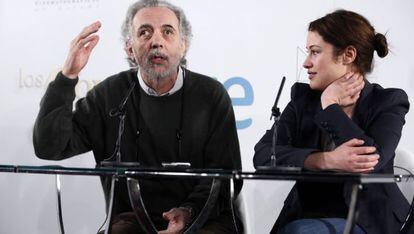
<point x="381" y="45"/>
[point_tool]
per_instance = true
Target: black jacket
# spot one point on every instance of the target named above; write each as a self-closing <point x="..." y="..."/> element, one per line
<point x="378" y="120"/>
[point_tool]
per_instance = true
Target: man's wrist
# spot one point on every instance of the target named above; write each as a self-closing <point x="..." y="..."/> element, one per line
<point x="190" y="212"/>
<point x="68" y="75"/>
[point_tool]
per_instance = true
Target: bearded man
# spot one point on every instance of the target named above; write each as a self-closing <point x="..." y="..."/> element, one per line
<point x="172" y="115"/>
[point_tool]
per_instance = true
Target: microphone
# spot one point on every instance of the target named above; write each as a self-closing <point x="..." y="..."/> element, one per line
<point x="275" y="109"/>
<point x="121" y="108"/>
<point x="120" y="112"/>
<point x="276" y="117"/>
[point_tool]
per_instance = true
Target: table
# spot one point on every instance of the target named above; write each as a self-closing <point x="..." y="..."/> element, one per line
<point x="133" y="175"/>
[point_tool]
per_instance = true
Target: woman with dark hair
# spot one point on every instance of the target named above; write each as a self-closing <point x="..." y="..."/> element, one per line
<point x="340" y="122"/>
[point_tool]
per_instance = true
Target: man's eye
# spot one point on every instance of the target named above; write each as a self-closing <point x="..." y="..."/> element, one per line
<point x="168" y="32"/>
<point x="143" y="33"/>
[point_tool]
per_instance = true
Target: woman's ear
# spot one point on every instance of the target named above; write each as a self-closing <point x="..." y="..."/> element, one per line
<point x="349" y="55"/>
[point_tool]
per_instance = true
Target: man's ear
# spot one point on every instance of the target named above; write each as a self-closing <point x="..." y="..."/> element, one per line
<point x="129" y="50"/>
<point x="349" y="55"/>
<point x="183" y="48"/>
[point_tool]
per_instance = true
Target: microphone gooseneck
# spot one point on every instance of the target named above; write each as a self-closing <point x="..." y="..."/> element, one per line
<point x="119" y="110"/>
<point x="115" y="160"/>
<point x="276" y="117"/>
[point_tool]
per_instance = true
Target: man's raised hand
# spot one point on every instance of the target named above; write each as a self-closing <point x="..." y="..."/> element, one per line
<point x="80" y="50"/>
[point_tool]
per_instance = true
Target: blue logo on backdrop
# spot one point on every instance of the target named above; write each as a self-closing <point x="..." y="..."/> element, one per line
<point x="246" y="100"/>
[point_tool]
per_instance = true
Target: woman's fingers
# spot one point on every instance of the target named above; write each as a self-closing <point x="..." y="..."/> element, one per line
<point x="364" y="150"/>
<point x="364" y="162"/>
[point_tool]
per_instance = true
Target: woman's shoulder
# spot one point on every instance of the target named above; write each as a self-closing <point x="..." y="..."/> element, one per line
<point x="303" y="91"/>
<point x="388" y="95"/>
<point x="386" y="98"/>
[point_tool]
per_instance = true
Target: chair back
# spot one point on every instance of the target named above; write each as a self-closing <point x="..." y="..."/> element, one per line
<point x="405" y="159"/>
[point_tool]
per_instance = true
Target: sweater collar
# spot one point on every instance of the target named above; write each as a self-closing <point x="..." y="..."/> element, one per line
<point x="150" y="91"/>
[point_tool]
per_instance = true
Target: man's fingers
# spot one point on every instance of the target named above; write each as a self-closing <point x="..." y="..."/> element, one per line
<point x="175" y="224"/>
<point x="88" y="30"/>
<point x="92" y="43"/>
<point x="84" y="42"/>
<point x="168" y="215"/>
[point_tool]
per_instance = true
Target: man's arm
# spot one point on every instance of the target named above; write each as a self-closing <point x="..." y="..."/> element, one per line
<point x="57" y="134"/>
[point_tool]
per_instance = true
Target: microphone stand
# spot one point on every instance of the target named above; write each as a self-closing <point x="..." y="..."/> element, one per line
<point x="119" y="111"/>
<point x="276" y="117"/>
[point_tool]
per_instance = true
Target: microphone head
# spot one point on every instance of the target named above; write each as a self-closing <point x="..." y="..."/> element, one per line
<point x="117" y="111"/>
<point x="121" y="108"/>
<point x="275" y="109"/>
<point x="114" y="112"/>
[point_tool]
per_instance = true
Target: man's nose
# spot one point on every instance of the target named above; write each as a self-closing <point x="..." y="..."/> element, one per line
<point x="157" y="40"/>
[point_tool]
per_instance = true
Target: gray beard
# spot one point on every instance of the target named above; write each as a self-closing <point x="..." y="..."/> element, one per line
<point x="153" y="75"/>
<point x="147" y="68"/>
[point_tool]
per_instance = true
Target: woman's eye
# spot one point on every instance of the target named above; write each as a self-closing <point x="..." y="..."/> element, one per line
<point x="314" y="52"/>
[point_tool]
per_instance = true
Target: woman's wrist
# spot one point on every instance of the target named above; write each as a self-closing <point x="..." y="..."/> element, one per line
<point x="325" y="102"/>
<point x="317" y="161"/>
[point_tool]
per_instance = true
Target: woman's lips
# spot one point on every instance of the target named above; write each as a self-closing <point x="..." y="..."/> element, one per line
<point x="311" y="75"/>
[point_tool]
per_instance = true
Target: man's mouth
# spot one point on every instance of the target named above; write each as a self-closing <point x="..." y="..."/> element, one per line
<point x="157" y="58"/>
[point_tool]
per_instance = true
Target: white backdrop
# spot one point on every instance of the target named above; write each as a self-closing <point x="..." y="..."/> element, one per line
<point x="257" y="42"/>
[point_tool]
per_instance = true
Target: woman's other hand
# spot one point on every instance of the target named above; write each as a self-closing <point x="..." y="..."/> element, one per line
<point x="351" y="156"/>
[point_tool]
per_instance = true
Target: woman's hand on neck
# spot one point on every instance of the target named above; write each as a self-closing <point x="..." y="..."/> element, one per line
<point x="344" y="91"/>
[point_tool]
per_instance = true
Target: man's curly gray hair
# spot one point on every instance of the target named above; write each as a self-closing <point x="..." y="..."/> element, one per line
<point x="184" y="24"/>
